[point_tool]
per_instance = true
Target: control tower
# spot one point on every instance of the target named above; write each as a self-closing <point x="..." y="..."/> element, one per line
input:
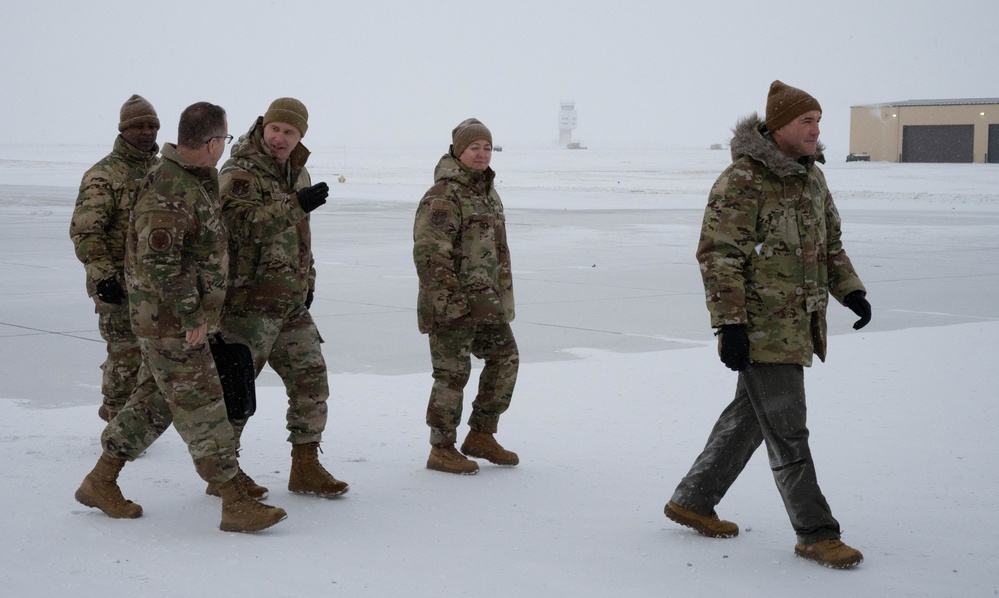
<point x="566" y="122"/>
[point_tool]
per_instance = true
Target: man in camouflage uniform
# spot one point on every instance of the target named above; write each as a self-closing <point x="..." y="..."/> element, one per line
<point x="267" y="196"/>
<point x="465" y="302"/>
<point x="770" y="255"/>
<point x="98" y="230"/>
<point x="176" y="271"/>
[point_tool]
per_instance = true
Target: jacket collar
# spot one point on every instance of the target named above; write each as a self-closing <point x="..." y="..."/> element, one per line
<point x="250" y="146"/>
<point x="451" y="169"/>
<point x="132" y="153"/>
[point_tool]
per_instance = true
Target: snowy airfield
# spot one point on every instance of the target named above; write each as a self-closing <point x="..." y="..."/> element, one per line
<point x="619" y="386"/>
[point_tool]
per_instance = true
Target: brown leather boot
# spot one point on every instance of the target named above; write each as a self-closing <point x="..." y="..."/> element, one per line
<point x="240" y="513"/>
<point x="100" y="490"/>
<point x="484" y="446"/>
<point x="253" y="489"/>
<point x="449" y="460"/>
<point x="830" y="553"/>
<point x="308" y="476"/>
<point x="706" y="525"/>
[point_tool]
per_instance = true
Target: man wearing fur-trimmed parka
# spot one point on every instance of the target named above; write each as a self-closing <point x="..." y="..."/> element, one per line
<point x="770" y="255"/>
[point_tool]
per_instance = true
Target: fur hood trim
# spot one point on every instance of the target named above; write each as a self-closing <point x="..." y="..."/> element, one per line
<point x="751" y="139"/>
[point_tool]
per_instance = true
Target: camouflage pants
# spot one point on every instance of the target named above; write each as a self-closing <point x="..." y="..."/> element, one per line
<point x="178" y="383"/>
<point x="769" y="406"/>
<point x="450" y="355"/>
<point x="291" y="345"/>
<point x="124" y="357"/>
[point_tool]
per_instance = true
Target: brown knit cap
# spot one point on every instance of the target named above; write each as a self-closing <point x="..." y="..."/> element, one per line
<point x="135" y="111"/>
<point x="786" y="103"/>
<point x="289" y="111"/>
<point x="465" y="133"/>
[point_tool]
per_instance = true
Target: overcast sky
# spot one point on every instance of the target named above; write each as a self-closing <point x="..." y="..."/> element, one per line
<point x="373" y="74"/>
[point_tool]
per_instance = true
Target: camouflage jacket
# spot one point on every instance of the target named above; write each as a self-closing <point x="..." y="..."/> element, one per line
<point x="100" y="219"/>
<point x="770" y="251"/>
<point x="176" y="265"/>
<point x="270" y="242"/>
<point x="460" y="249"/>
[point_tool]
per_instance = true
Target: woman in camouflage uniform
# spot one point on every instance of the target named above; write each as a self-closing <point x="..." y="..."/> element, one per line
<point x="465" y="302"/>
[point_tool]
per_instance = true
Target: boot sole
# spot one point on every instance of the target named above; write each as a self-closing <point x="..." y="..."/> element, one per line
<point x="216" y="493"/>
<point x="697" y="526"/>
<point x="89" y="501"/>
<point x="486" y="457"/>
<point x="846" y="564"/>
<point x="245" y="530"/>
<point x="321" y="494"/>
<point x="452" y="471"/>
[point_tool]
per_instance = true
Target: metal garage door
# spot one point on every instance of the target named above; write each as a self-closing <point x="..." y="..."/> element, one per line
<point x="993" y="151"/>
<point x="938" y="143"/>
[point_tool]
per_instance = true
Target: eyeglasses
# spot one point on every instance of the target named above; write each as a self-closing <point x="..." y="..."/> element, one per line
<point x="228" y="138"/>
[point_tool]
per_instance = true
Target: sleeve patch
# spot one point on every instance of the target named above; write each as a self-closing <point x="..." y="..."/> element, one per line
<point x="160" y="240"/>
<point x="439" y="213"/>
<point x="240" y="188"/>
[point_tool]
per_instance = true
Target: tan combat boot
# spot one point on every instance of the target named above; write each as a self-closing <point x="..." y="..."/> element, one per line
<point x="706" y="525"/>
<point x="449" y="460"/>
<point x="240" y="513"/>
<point x="100" y="490"/>
<point x="253" y="489"/>
<point x="830" y="553"/>
<point x="484" y="446"/>
<point x="308" y="476"/>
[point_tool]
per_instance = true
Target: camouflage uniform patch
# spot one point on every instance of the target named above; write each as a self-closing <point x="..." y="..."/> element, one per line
<point x="160" y="240"/>
<point x="240" y="186"/>
<point x="440" y="209"/>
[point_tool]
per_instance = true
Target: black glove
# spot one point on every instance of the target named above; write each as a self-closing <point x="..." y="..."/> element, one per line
<point x="857" y="302"/>
<point x="309" y="298"/>
<point x="733" y="346"/>
<point x="312" y="197"/>
<point x="109" y="291"/>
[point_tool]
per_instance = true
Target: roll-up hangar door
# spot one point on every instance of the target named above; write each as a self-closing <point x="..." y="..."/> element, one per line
<point x="938" y="143"/>
<point x="993" y="155"/>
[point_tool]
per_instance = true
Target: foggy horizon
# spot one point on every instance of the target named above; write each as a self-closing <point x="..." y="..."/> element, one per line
<point x="393" y="74"/>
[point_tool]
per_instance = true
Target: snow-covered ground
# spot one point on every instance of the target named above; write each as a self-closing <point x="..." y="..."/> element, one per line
<point x="618" y="389"/>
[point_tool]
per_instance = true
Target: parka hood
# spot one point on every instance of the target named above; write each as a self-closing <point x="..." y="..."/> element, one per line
<point x="251" y="146"/>
<point x="751" y="139"/>
<point x="450" y="168"/>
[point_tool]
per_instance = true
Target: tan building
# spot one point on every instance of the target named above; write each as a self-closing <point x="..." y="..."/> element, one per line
<point x="926" y="131"/>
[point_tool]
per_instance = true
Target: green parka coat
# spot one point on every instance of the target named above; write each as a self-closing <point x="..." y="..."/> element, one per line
<point x="460" y="250"/>
<point x="770" y="252"/>
<point x="176" y="265"/>
<point x="270" y="239"/>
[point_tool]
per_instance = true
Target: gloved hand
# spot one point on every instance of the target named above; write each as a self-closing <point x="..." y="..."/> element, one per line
<point x="858" y="304"/>
<point x="309" y="298"/>
<point x="312" y="197"/>
<point x="109" y="291"/>
<point x="733" y="346"/>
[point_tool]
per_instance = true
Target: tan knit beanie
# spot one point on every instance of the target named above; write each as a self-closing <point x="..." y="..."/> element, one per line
<point x="465" y="133"/>
<point x="290" y="111"/>
<point x="786" y="103"/>
<point x="136" y="111"/>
